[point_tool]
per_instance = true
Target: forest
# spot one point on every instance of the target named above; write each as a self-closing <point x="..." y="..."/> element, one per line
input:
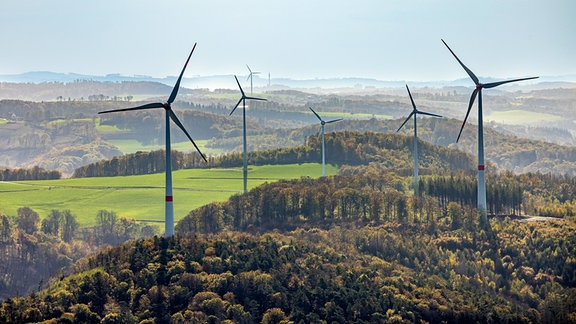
<point x="387" y="273"/>
<point x="357" y="247"/>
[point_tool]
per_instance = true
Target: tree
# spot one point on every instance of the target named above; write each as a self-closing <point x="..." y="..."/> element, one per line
<point x="106" y="221"/>
<point x="69" y="226"/>
<point x="51" y="224"/>
<point x="455" y="213"/>
<point x="27" y="220"/>
<point x="274" y="316"/>
<point x="5" y="229"/>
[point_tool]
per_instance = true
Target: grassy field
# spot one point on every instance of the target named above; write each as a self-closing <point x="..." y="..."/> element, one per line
<point x="142" y="197"/>
<point x="132" y="146"/>
<point x="521" y="117"/>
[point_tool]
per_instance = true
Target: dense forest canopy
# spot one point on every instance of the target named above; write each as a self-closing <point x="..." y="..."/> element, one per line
<point x="391" y="273"/>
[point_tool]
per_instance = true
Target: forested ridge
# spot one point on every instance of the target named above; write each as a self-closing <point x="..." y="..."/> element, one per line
<point x="356" y="247"/>
<point x="519" y="272"/>
<point x="342" y="148"/>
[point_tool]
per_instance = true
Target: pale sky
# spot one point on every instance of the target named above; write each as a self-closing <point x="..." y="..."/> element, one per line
<point x="300" y="39"/>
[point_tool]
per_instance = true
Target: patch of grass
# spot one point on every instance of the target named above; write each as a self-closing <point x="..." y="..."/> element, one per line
<point x="520" y="117"/>
<point x="56" y="122"/>
<point x="108" y="129"/>
<point x="142" y="197"/>
<point x="3" y="121"/>
<point x="132" y="146"/>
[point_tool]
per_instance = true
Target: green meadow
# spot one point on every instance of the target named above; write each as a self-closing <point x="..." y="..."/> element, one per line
<point x="520" y="117"/>
<point x="142" y="197"/>
<point x="127" y="146"/>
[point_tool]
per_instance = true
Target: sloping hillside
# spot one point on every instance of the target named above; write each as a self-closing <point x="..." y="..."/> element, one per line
<point x="386" y="273"/>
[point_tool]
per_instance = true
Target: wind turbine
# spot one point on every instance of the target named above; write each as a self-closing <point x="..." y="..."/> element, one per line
<point x="322" y="123"/>
<point x="414" y="113"/>
<point x="478" y="92"/>
<point x="245" y="155"/>
<point x="250" y="76"/>
<point x="169" y="217"/>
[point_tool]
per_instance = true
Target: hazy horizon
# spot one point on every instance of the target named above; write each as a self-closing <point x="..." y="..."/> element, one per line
<point x="392" y="40"/>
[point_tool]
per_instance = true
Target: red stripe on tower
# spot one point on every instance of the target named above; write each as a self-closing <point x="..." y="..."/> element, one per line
<point x="168" y="198"/>
<point x="480" y="168"/>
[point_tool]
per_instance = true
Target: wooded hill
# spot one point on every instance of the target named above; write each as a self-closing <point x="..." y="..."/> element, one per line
<point x="357" y="247"/>
<point x="344" y="148"/>
<point x="519" y="272"/>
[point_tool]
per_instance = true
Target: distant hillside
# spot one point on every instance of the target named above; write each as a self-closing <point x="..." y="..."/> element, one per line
<point x="389" y="151"/>
<point x="221" y="81"/>
<point x="83" y="90"/>
<point x="31" y="129"/>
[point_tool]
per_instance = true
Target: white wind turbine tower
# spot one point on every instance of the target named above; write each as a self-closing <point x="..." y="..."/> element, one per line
<point x="250" y="76"/>
<point x="170" y="115"/>
<point x="478" y="92"/>
<point x="415" y="151"/>
<point x="322" y="123"/>
<point x="245" y="153"/>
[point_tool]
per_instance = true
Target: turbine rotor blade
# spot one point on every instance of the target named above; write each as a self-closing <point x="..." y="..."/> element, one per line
<point x="143" y="107"/>
<point x="177" y="121"/>
<point x="472" y="98"/>
<point x="470" y="73"/>
<point x="237" y="104"/>
<point x="254" y="98"/>
<point x="405" y="121"/>
<point x="412" y="100"/>
<point x="177" y="85"/>
<point x="333" y="120"/>
<point x="239" y="86"/>
<point x="495" y="84"/>
<point x="317" y="116"/>
<point x="427" y="114"/>
<point x="249" y="68"/>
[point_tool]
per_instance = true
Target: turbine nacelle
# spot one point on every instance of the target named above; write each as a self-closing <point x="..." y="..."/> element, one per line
<point x="479" y="86"/>
<point x="167" y="106"/>
<point x="415" y="111"/>
<point x="244" y="97"/>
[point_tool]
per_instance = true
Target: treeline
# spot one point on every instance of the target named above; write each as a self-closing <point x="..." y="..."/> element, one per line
<point x="81" y="90"/>
<point x="379" y="274"/>
<point x="504" y="191"/>
<point x="370" y="198"/>
<point x="376" y="196"/>
<point x="35" y="250"/>
<point x="36" y="173"/>
<point x="343" y="148"/>
<point x="41" y="112"/>
<point x="139" y="163"/>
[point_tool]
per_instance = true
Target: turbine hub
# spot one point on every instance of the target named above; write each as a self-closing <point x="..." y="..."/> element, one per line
<point x="323" y="122"/>
<point x="167" y="106"/>
<point x="479" y="86"/>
